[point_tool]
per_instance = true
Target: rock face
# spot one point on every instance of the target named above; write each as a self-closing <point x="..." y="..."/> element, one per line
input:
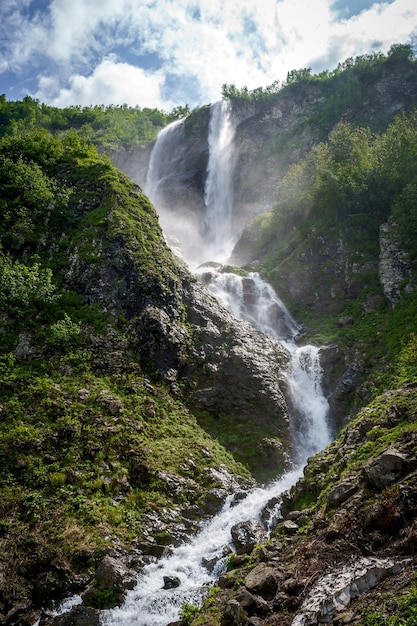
<point x="226" y="367"/>
<point x="269" y="137"/>
<point x="394" y="267"/>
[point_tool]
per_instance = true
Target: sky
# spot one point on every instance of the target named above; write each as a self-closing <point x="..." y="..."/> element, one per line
<point x="168" y="53"/>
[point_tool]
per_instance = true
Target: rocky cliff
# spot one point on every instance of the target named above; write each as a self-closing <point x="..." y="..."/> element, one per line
<point x="132" y="403"/>
<point x="274" y="133"/>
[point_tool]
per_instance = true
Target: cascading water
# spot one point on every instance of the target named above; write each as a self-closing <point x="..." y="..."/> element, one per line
<point x="159" y="170"/>
<point x="250" y="298"/>
<point x="218" y="190"/>
<point x="151" y="605"/>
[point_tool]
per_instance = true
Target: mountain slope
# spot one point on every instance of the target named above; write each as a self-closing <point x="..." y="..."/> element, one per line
<point x="112" y="360"/>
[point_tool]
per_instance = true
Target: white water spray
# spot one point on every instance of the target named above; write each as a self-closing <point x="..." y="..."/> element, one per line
<point x="251" y="298"/>
<point x="159" y="170"/>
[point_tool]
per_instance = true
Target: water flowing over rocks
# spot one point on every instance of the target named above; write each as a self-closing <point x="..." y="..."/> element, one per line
<point x="356" y="541"/>
<point x="238" y="365"/>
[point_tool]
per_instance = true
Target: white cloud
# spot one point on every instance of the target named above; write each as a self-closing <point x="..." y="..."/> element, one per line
<point x="110" y="83"/>
<point x="200" y="44"/>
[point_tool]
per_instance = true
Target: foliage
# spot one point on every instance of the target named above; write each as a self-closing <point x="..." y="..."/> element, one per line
<point x="24" y="287"/>
<point x="76" y="474"/>
<point x="404" y="609"/>
<point x="344" y="85"/>
<point x="188" y="613"/>
<point x="106" y="126"/>
<point x="64" y="331"/>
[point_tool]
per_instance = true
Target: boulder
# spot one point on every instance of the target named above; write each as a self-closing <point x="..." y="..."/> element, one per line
<point x="262" y="580"/>
<point x="171" y="582"/>
<point x="234" y="614"/>
<point x="78" y="616"/>
<point x="246" y="535"/>
<point x="214" y="500"/>
<point x="386" y="469"/>
<point x="341" y="492"/>
<point x="112" y="581"/>
<point x="290" y="527"/>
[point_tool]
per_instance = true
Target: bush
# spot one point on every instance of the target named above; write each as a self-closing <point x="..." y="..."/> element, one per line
<point x="23" y="287"/>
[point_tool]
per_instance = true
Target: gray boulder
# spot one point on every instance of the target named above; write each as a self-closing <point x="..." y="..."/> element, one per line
<point x="386" y="469"/>
<point x="246" y="535"/>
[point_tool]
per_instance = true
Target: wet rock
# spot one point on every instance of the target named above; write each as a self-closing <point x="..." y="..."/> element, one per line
<point x="211" y="563"/>
<point x="246" y="535"/>
<point x="386" y="469"/>
<point x="78" y="616"/>
<point x="171" y="582"/>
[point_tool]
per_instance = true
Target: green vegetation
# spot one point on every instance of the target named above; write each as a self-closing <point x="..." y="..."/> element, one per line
<point x="107" y="127"/>
<point x="394" y="611"/>
<point x="343" y="86"/>
<point x="89" y="442"/>
<point x="90" y="437"/>
<point x="331" y="205"/>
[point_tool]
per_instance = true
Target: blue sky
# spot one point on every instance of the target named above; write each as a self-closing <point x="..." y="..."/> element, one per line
<point x="165" y="53"/>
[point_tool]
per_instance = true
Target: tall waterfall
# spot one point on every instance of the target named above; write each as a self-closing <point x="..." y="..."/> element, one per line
<point x="249" y="298"/>
<point x="218" y="190"/>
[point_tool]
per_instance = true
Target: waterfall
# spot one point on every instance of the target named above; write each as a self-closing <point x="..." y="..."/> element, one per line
<point x="218" y="189"/>
<point x="251" y="298"/>
<point x="247" y="297"/>
<point x="159" y="168"/>
<point x="151" y="605"/>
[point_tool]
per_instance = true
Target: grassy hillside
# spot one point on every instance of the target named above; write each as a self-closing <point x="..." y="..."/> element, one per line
<point x="91" y="443"/>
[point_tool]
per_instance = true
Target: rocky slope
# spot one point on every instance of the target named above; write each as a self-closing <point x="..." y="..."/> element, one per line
<point x="132" y="403"/>
<point x="345" y="550"/>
